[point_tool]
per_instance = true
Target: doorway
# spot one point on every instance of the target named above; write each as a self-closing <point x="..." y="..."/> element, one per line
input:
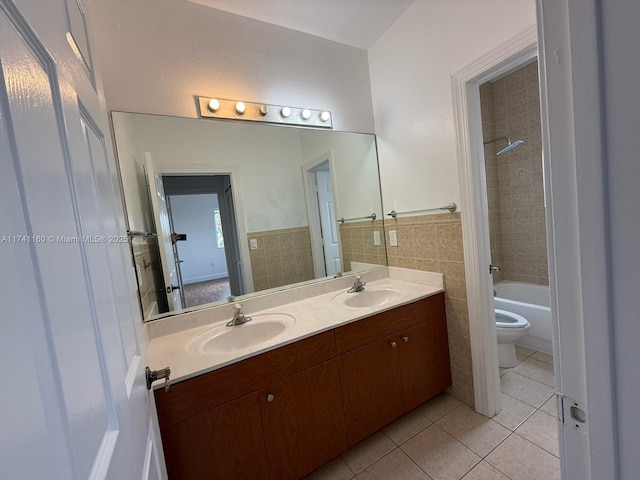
<point x="206" y="247"/>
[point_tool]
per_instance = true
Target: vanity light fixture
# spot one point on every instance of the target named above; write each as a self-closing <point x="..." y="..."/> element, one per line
<point x="262" y="112"/>
<point x="214" y="105"/>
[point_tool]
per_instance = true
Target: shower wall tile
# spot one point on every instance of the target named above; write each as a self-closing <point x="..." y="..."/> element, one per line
<point x="520" y="235"/>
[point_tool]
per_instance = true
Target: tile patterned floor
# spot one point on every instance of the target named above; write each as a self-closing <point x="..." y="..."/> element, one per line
<point x="446" y="440"/>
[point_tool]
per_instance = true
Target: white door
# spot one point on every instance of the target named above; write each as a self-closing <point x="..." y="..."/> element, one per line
<point x="231" y="244"/>
<point x="162" y="222"/>
<point x="328" y="222"/>
<point x="75" y="405"/>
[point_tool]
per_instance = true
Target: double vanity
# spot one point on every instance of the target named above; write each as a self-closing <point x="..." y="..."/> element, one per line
<point x="314" y="372"/>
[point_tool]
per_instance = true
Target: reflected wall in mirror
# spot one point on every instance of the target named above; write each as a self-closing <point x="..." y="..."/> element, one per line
<point x="262" y="207"/>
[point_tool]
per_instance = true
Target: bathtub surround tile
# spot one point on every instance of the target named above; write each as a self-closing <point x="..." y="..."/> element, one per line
<point x="477" y="432"/>
<point x="485" y="471"/>
<point x="440" y="455"/>
<point x="513" y="412"/>
<point x="368" y="452"/>
<point x="396" y="465"/>
<point x="407" y="426"/>
<point x="438" y="406"/>
<point x="520" y="459"/>
<point x="536" y="370"/>
<point x="525" y="389"/>
<point x="542" y="430"/>
<point x="334" y="470"/>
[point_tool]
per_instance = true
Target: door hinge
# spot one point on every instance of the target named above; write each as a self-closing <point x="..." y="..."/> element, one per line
<point x="571" y="412"/>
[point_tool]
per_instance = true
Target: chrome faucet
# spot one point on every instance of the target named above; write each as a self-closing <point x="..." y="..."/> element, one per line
<point x="238" y="317"/>
<point x="358" y="285"/>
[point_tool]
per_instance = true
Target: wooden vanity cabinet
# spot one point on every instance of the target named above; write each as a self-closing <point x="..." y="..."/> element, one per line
<point x="386" y="378"/>
<point x="302" y="421"/>
<point x="284" y="413"/>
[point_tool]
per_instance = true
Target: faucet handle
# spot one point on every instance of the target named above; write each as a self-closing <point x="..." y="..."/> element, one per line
<point x="238" y="307"/>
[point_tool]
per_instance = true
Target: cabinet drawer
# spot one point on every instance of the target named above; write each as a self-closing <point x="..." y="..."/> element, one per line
<point x="196" y="395"/>
<point x="370" y="329"/>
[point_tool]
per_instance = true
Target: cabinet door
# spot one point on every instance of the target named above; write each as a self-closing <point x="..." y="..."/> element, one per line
<point x="371" y="387"/>
<point x="424" y="361"/>
<point x="303" y="421"/>
<point x="224" y="443"/>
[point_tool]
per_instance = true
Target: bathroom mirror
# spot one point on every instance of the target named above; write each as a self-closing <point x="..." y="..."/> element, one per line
<point x="254" y="207"/>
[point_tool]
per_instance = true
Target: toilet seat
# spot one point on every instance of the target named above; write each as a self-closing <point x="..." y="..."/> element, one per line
<point x="506" y="319"/>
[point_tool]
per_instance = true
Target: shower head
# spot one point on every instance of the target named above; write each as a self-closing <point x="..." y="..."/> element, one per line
<point x="510" y="146"/>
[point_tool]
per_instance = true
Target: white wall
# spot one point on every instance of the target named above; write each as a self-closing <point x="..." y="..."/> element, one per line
<point x="158" y="54"/>
<point x="201" y="258"/>
<point x="411" y="67"/>
<point x="265" y="162"/>
<point x="355" y="170"/>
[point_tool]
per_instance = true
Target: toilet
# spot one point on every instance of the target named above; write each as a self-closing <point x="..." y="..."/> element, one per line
<point x="510" y="327"/>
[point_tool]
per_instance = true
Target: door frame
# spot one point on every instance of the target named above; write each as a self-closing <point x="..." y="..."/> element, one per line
<point x="313" y="213"/>
<point x="475" y="225"/>
<point x="243" y="241"/>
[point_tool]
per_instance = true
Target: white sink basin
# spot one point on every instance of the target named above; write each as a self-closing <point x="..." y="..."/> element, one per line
<point x="369" y="297"/>
<point x="223" y="339"/>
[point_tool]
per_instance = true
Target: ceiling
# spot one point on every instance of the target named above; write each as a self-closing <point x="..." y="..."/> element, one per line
<point x="358" y="23"/>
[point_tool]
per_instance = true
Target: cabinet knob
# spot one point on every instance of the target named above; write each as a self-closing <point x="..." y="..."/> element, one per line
<point x="271" y="397"/>
<point x="406" y="339"/>
<point x="394" y="344"/>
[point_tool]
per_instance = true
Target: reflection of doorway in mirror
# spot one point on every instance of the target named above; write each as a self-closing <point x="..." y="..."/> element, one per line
<point x="206" y="257"/>
<point x="321" y="206"/>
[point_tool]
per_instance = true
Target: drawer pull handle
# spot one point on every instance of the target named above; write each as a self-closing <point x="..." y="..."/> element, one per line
<point x="394" y="344"/>
<point x="406" y="339"/>
<point x="271" y="397"/>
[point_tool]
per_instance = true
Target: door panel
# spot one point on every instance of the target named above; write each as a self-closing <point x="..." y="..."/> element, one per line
<point x="77" y="406"/>
<point x="371" y="388"/>
<point x="328" y="222"/>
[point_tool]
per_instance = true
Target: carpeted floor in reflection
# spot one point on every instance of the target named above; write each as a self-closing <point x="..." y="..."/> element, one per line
<point x="206" y="292"/>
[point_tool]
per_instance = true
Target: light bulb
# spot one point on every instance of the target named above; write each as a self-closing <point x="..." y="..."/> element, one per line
<point x="264" y="109"/>
<point x="306" y="114"/>
<point x="240" y="107"/>
<point x="325" y="116"/>
<point x="214" y="105"/>
<point x="285" y="112"/>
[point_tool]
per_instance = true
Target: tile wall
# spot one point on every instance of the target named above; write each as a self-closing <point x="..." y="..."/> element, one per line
<point x="434" y="243"/>
<point x="282" y="257"/>
<point x="511" y="108"/>
<point x="358" y="245"/>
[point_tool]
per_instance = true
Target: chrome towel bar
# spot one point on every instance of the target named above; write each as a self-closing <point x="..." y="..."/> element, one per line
<point x="452" y="207"/>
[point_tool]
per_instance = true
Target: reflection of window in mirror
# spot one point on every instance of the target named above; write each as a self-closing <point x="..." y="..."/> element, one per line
<point x="219" y="237"/>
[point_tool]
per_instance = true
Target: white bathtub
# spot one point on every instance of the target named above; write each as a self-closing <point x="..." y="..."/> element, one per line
<point x="532" y="302"/>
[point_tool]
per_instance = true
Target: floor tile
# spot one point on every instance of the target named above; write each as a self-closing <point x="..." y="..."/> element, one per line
<point x="520" y="459"/>
<point x="368" y="452"/>
<point x="477" y="432"/>
<point x="551" y="406"/>
<point x="438" y="406"/>
<point x="439" y="454"/>
<point x="335" y="470"/>
<point x="394" y="466"/>
<point x="526" y="351"/>
<point x="537" y="370"/>
<point x="503" y="371"/>
<point x="513" y="412"/>
<point x="407" y="426"/>
<point x="485" y="471"/>
<point x="543" y="357"/>
<point x="541" y="429"/>
<point x="525" y="389"/>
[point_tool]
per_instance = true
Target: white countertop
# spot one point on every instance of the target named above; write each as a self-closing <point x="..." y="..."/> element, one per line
<point x="312" y="315"/>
